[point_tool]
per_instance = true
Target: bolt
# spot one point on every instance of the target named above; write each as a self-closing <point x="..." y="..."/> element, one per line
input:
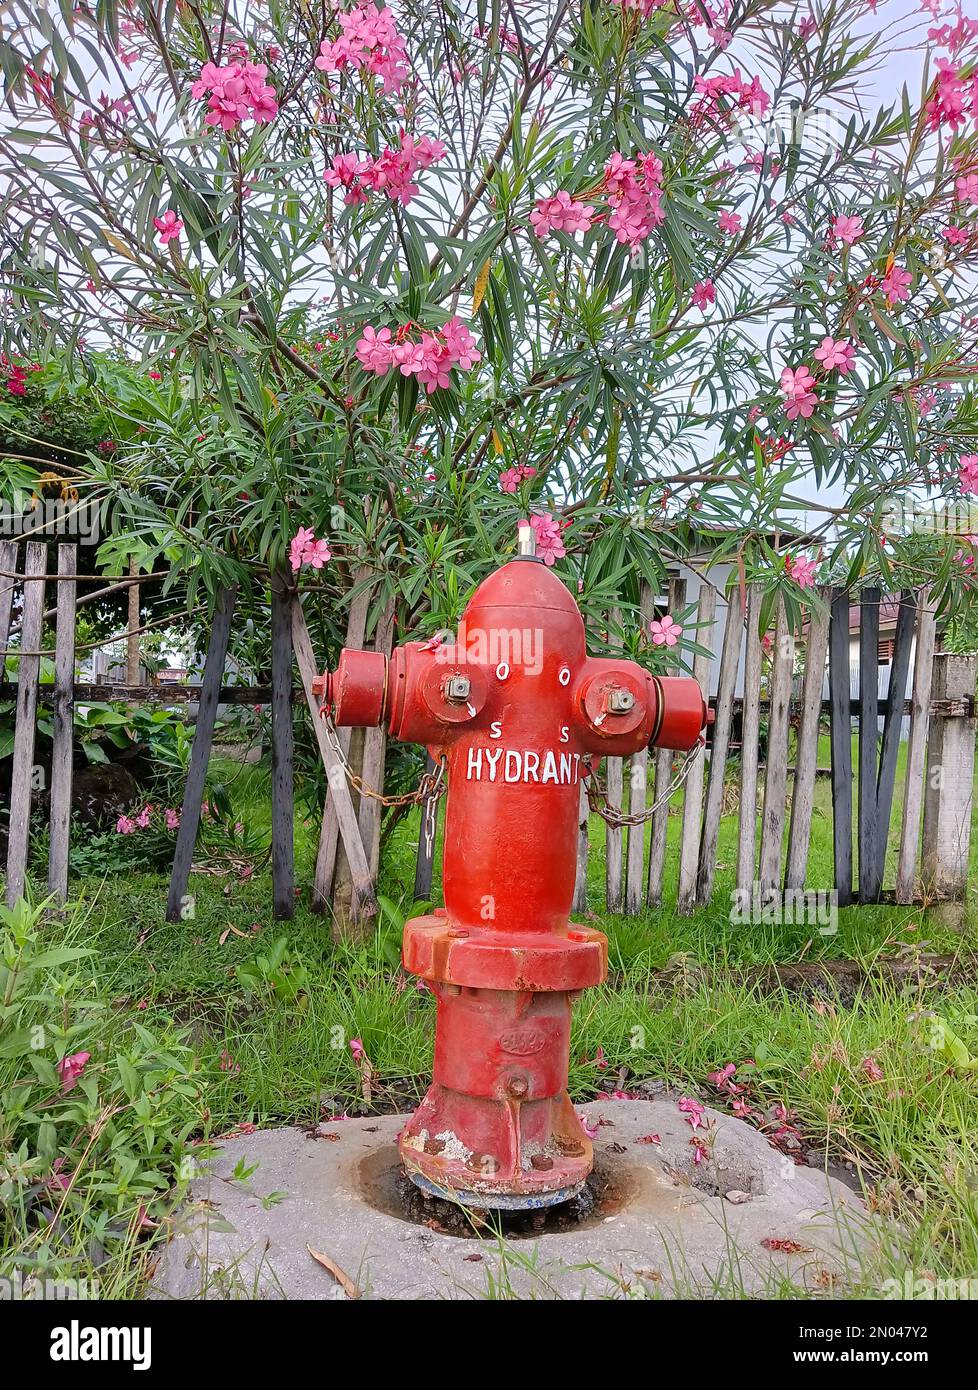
<point x="620" y="701"/>
<point x="571" y="1147"/>
<point x="457" y="690"/>
<point x="483" y="1163"/>
<point x="517" y="1086"/>
<point x="541" y="1162"/>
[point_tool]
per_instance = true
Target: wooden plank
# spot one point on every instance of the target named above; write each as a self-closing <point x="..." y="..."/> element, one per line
<point x="427" y="834"/>
<point x="663" y="774"/>
<point x="893" y="727"/>
<point x="283" y="799"/>
<point x="750" y="732"/>
<point x="8" y="566"/>
<point x="949" y="784"/>
<point x="733" y="637"/>
<point x="689" y="847"/>
<point x="803" y="791"/>
<point x="583" y="846"/>
<point x="22" y="772"/>
<point x="374" y="758"/>
<point x="364" y="903"/>
<point x="178" y="905"/>
<point x="870" y="879"/>
<point x="913" y="796"/>
<point x="638" y="786"/>
<point x="841" y="741"/>
<point x="322" y="887"/>
<point x="62" y="749"/>
<point x="614" y="790"/>
<point x="776" y="772"/>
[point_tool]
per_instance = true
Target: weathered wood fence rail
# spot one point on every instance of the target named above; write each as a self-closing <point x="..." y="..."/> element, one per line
<point x="776" y="795"/>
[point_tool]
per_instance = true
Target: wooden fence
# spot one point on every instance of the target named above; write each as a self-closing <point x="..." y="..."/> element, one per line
<point x="775" y="800"/>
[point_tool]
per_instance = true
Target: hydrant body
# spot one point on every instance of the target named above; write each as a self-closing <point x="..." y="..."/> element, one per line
<point x="521" y="713"/>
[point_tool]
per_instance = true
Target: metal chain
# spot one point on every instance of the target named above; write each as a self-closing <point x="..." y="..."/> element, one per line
<point x="430" y="786"/>
<point x="597" y="799"/>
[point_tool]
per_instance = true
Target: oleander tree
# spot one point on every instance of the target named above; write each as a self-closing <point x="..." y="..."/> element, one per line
<point x="662" y="274"/>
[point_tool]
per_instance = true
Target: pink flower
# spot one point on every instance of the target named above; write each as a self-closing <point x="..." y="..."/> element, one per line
<point x="142" y="820"/>
<point x="560" y="213"/>
<point x="692" y="1110"/>
<point x="237" y="91"/>
<point x="795" y="386"/>
<point x="374" y="351"/>
<point x="966" y="188"/>
<point x="721" y="1079"/>
<point x="510" y="480"/>
<point x="227" y="1062"/>
<point x="125" y="826"/>
<point x="848" y="230"/>
<point x="704" y="294"/>
<point x="306" y="550"/>
<point x="835" y="353"/>
<point x="461" y="348"/>
<point x="896" y="285"/>
<point x="872" y="1070"/>
<point x="968" y="473"/>
<point x="357" y="1048"/>
<point x="549" y="536"/>
<point x="665" y="631"/>
<point x="589" y="1129"/>
<point x="729" y="222"/>
<point x="807" y="26"/>
<point x="369" y="43"/>
<point x="70" y="1070"/>
<point x="599" y="1060"/>
<point x="169" y="226"/>
<point x="171" y="819"/>
<point x="801" y="570"/>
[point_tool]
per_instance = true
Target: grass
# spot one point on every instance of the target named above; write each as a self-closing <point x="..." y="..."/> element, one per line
<point x="684" y="997"/>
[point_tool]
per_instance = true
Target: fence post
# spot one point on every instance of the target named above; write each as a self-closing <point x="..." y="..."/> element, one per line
<point x="749" y="733"/>
<point x="63" y="741"/>
<point x="28" y="672"/>
<point x="663" y="774"/>
<point x="923" y="673"/>
<point x="806" y="759"/>
<point x="733" y="636"/>
<point x="614" y="790"/>
<point x="689" y="848"/>
<point x="949" y="787"/>
<point x="638" y="779"/>
<point x="776" y="771"/>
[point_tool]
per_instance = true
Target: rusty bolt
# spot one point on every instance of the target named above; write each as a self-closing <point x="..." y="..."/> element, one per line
<point x="620" y="701"/>
<point x="573" y="1148"/>
<point x="541" y="1162"/>
<point x="517" y="1087"/>
<point x="457" y="689"/>
<point x="483" y="1163"/>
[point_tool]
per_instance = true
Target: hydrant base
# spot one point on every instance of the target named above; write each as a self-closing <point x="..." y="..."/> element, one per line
<point x="497" y="1201"/>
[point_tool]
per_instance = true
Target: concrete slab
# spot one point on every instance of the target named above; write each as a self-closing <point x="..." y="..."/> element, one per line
<point x="664" y="1224"/>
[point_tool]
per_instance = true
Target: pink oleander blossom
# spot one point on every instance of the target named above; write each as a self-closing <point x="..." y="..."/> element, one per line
<point x="549" y="536"/>
<point x="835" y="353"/>
<point x="729" y="222"/>
<point x="370" y="44"/>
<point x="896" y="285"/>
<point x="305" y="549"/>
<point x="847" y="229"/>
<point x="968" y="473"/>
<point x="800" y="399"/>
<point x="704" y="294"/>
<point x="169" y="226"/>
<point x="236" y="92"/>
<point x="801" y="570"/>
<point x="665" y="631"/>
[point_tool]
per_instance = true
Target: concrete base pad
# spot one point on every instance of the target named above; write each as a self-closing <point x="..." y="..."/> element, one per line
<point x="744" y="1220"/>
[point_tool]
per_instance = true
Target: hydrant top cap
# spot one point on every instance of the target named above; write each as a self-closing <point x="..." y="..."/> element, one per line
<point x="519" y="585"/>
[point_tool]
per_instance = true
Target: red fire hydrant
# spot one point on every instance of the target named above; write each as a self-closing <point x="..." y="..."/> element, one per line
<point x="522" y="713"/>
